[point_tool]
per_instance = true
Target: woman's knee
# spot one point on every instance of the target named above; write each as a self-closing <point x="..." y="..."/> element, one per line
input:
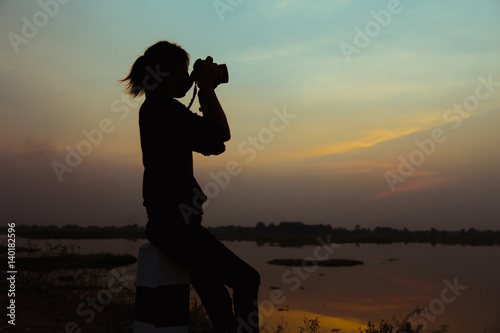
<point x="253" y="278"/>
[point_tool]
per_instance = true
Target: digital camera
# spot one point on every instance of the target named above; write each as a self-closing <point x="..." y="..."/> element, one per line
<point x="222" y="73"/>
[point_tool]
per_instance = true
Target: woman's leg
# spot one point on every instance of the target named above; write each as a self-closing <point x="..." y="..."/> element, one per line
<point x="216" y="300"/>
<point x="213" y="266"/>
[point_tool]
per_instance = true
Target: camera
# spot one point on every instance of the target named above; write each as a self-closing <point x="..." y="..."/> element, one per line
<point x="222" y="73"/>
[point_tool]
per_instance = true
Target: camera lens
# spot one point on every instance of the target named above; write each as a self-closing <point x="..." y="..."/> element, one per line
<point x="224" y="73"/>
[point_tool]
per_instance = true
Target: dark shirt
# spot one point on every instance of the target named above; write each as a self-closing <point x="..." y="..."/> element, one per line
<point x="169" y="134"/>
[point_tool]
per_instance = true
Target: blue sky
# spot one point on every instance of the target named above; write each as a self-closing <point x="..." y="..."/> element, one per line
<point x="353" y="118"/>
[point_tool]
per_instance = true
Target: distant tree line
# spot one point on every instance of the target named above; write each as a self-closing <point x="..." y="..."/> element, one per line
<point x="283" y="233"/>
<point x="290" y="233"/>
<point x="316" y="229"/>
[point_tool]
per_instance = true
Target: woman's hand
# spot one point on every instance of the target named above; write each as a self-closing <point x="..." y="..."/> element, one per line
<point x="207" y="74"/>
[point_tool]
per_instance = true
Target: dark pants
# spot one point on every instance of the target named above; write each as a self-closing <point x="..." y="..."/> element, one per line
<point x="212" y="267"/>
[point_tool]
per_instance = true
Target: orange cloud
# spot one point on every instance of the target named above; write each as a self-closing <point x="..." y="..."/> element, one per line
<point x="369" y="139"/>
<point x="417" y="182"/>
<point x="349" y="166"/>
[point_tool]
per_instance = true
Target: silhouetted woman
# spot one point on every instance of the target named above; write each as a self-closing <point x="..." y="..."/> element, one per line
<point x="169" y="134"/>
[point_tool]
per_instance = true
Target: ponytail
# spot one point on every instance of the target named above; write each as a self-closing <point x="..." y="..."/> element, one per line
<point x="164" y="55"/>
<point x="136" y="77"/>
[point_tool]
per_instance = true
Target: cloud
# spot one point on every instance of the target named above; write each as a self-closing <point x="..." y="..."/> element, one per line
<point x="35" y="144"/>
<point x="420" y="181"/>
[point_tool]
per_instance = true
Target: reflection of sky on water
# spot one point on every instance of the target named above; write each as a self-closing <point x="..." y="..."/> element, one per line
<point x="393" y="281"/>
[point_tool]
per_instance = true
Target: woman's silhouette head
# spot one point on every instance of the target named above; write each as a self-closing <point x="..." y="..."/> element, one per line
<point x="163" y="67"/>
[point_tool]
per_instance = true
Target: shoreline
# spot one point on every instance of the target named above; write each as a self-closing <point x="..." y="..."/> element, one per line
<point x="282" y="234"/>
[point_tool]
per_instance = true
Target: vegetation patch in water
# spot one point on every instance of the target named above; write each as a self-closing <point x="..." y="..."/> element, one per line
<point x="75" y="261"/>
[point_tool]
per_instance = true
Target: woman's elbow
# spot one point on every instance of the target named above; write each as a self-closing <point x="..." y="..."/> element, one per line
<point x="223" y="134"/>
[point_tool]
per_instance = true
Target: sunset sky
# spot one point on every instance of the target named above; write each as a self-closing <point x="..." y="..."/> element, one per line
<point x="370" y="113"/>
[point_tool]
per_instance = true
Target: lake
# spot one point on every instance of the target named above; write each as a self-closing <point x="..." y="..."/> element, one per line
<point x="459" y="285"/>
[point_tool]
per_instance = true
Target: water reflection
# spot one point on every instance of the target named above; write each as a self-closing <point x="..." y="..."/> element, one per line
<point x="393" y="281"/>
